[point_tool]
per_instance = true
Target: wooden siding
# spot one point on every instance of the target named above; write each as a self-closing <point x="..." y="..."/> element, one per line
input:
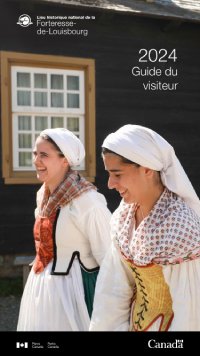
<point x="113" y="42"/>
<point x="174" y="9"/>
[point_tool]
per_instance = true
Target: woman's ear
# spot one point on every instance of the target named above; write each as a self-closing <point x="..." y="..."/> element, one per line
<point x="148" y="172"/>
<point x="65" y="162"/>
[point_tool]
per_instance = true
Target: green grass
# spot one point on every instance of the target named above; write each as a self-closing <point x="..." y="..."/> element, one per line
<point x="11" y="286"/>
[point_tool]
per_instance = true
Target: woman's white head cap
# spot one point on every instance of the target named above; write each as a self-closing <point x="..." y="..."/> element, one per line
<point x="148" y="149"/>
<point x="69" y="144"/>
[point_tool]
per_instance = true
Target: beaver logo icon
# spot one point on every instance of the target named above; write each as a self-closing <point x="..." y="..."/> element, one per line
<point x="24" y="20"/>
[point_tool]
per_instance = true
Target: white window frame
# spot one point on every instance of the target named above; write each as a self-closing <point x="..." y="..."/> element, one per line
<point x="19" y="110"/>
<point x="48" y="109"/>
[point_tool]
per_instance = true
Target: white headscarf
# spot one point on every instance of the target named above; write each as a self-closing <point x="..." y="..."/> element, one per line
<point x="148" y="149"/>
<point x="69" y="144"/>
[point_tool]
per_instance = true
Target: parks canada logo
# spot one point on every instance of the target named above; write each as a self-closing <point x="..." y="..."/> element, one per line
<point x="24" y="20"/>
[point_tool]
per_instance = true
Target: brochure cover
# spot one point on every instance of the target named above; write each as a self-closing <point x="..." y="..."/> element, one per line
<point x="90" y="67"/>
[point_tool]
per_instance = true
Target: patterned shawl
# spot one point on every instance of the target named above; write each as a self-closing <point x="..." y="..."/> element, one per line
<point x="170" y="234"/>
<point x="72" y="186"/>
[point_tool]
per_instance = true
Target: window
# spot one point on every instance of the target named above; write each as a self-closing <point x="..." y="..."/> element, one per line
<point x="40" y="92"/>
<point x="44" y="98"/>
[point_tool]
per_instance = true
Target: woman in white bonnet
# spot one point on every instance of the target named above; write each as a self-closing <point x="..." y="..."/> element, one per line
<point x="71" y="234"/>
<point x="149" y="280"/>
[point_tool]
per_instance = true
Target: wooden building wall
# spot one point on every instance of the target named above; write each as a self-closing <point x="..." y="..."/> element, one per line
<point x="114" y="41"/>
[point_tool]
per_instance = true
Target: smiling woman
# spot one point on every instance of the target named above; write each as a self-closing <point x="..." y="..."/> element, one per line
<point x="50" y="163"/>
<point x="71" y="233"/>
<point x="129" y="179"/>
<point x="149" y="279"/>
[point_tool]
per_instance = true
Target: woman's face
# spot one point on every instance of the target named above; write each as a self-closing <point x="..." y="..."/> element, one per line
<point x="50" y="167"/>
<point x="127" y="179"/>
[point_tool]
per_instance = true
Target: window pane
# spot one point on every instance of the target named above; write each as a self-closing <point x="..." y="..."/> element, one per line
<point x="40" y="81"/>
<point x="73" y="123"/>
<point x="40" y="99"/>
<point x="25" y="141"/>
<point x="72" y="82"/>
<point x="56" y="81"/>
<point x="36" y="136"/>
<point x="56" y="122"/>
<point x="23" y="98"/>
<point x="73" y="100"/>
<point x="24" y="123"/>
<point x="25" y="159"/>
<point x="23" y="80"/>
<point x="41" y="123"/>
<point x="57" y="100"/>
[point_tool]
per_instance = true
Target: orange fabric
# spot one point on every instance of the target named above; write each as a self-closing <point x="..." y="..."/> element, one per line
<point x="43" y="230"/>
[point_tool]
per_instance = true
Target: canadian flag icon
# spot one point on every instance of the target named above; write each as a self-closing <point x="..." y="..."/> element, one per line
<point x="22" y="344"/>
